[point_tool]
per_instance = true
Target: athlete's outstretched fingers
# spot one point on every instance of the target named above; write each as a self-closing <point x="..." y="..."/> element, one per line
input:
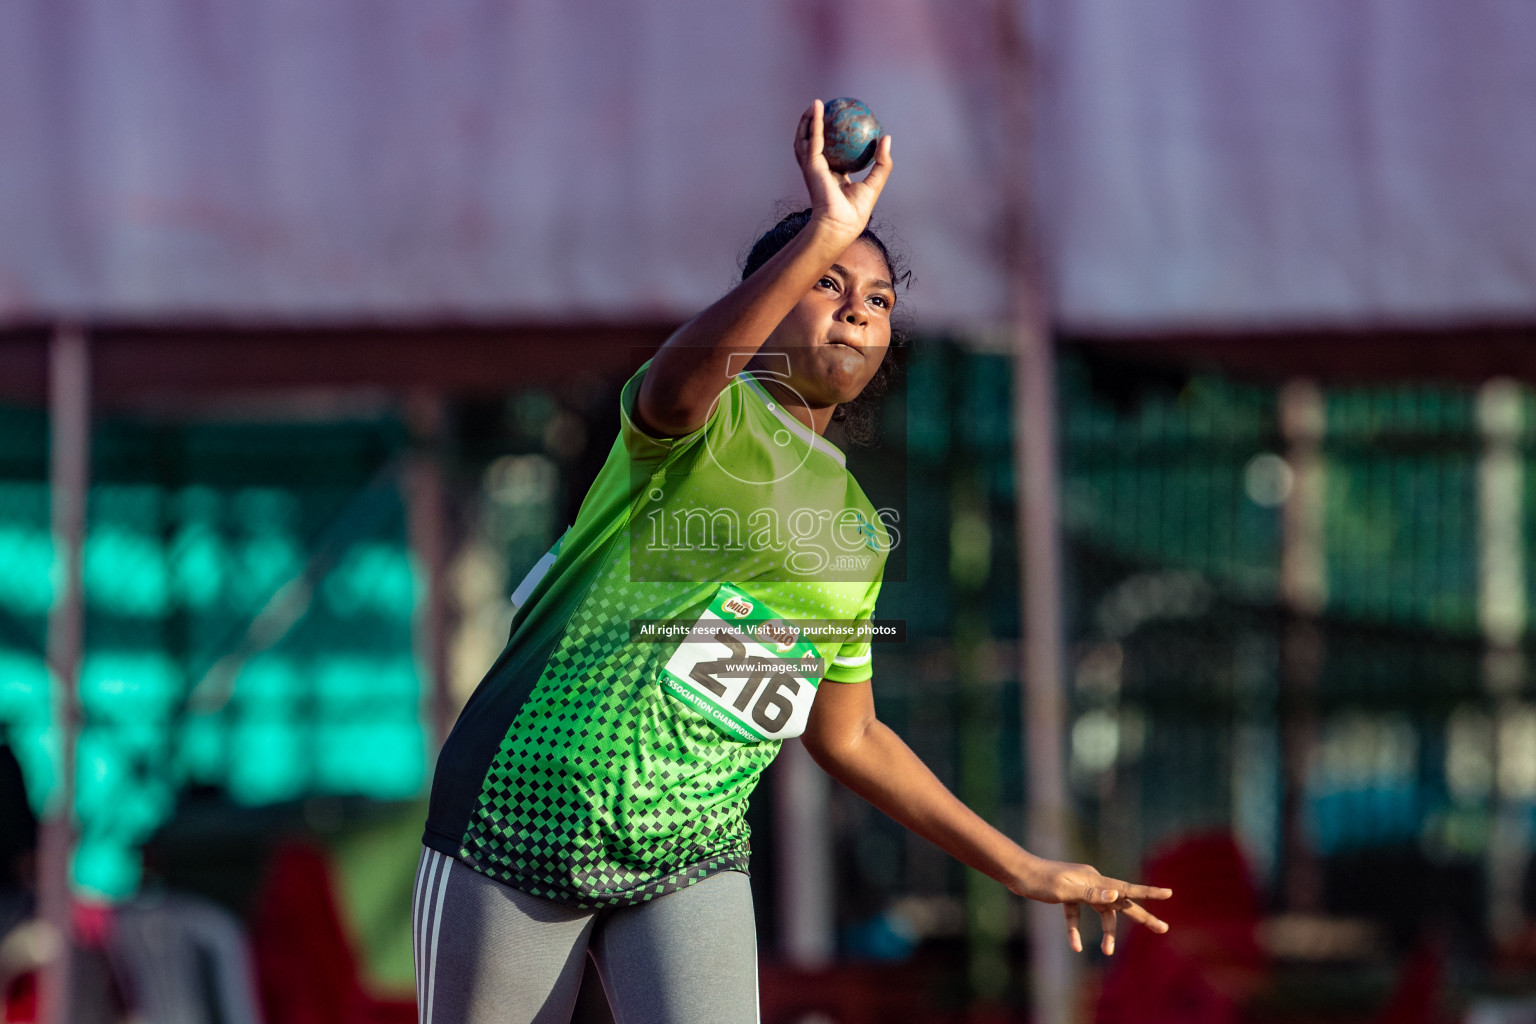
<point x="1107" y="916"/>
<point x="1074" y="935"/>
<point x="803" y="132"/>
<point x="1136" y="912"/>
<point x="1131" y="890"/>
<point x="818" y="130"/>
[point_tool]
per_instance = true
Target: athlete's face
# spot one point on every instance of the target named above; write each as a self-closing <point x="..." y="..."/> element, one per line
<point x="837" y="334"/>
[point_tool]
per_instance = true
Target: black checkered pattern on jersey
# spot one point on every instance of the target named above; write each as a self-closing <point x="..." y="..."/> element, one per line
<point x="605" y="790"/>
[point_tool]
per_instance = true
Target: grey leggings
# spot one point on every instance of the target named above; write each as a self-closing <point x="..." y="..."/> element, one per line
<point x="486" y="952"/>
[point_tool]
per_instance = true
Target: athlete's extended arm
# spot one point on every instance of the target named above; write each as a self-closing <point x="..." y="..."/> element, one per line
<point x="690" y="370"/>
<point x="862" y="753"/>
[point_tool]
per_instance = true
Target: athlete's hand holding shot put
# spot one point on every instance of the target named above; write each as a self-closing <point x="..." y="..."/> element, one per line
<point x="834" y="329"/>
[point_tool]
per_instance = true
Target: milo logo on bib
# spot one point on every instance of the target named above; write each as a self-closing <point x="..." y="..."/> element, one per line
<point x="782" y="635"/>
<point x="750" y="674"/>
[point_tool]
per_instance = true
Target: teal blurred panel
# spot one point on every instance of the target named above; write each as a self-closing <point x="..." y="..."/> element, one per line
<point x="197" y="550"/>
<point x="106" y="868"/>
<point x="100" y="773"/>
<point x="26" y="553"/>
<point x="1159" y="482"/>
<point x="198" y="560"/>
<point x="25" y="707"/>
<point x="373" y="579"/>
<point x="203" y="753"/>
<point x="192" y="531"/>
<point x="259" y="564"/>
<point x="124" y="564"/>
<point x="348" y="685"/>
<point x="263" y="510"/>
<point x="120" y="792"/>
<point x="380" y="757"/>
<point x="268" y="684"/>
<point x="125" y="571"/>
<point x="121" y="798"/>
<point x="1401" y="535"/>
<point x="269" y="760"/>
<point x="928" y="408"/>
<point x="130" y="687"/>
<point x="24" y="686"/>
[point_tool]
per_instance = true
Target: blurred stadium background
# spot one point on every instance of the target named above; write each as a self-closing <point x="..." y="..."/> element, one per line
<point x="337" y="301"/>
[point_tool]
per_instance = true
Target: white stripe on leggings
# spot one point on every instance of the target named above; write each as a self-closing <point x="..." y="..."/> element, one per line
<point x="424" y="879"/>
<point x="415" y="899"/>
<point x="437" y="918"/>
<point x="421" y="870"/>
<point x="419" y="913"/>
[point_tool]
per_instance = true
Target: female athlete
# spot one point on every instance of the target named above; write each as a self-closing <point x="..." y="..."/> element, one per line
<point x="590" y="802"/>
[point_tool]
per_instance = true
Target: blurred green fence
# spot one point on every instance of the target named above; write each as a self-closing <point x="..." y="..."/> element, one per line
<point x="249" y="597"/>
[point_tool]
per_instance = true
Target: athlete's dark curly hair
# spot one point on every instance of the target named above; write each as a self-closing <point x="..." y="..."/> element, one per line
<point x="857" y="417"/>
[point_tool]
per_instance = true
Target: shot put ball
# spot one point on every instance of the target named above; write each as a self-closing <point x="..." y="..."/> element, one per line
<point x="851" y="135"/>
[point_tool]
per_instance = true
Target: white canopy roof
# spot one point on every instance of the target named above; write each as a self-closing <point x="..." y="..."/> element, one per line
<point x="1201" y="162"/>
<point x="1290" y="161"/>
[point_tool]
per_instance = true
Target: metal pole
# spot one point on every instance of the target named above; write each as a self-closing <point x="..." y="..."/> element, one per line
<point x="802" y="802"/>
<point x="69" y="397"/>
<point x="1304" y="591"/>
<point x="1053" y="971"/>
<point x="1503" y="613"/>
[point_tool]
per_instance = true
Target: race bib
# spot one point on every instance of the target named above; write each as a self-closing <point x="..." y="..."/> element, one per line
<point x="745" y="669"/>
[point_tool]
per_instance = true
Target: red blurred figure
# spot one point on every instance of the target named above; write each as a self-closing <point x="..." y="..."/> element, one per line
<point x="1416" y="998"/>
<point x="1210" y="963"/>
<point x="305" y="966"/>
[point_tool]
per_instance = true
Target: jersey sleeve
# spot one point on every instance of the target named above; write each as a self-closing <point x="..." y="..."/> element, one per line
<point x="853" y="662"/>
<point x="537" y="573"/>
<point x="646" y="449"/>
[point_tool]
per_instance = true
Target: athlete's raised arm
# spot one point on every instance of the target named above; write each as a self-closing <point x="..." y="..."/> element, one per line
<point x="861" y="752"/>
<point x="690" y="370"/>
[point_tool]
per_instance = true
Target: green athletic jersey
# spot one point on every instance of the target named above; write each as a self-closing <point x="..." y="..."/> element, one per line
<point x="602" y="761"/>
